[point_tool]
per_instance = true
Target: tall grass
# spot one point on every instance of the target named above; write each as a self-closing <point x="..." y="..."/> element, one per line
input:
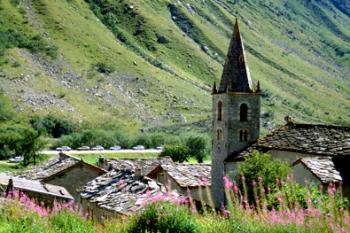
<point x="279" y="210"/>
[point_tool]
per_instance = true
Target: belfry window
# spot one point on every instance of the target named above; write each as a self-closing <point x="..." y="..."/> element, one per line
<point x="243" y="113"/>
<point x="219" y="111"/>
<point x="241" y="135"/>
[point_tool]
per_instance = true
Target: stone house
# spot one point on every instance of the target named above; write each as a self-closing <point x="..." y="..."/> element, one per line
<point x="187" y="179"/>
<point x="41" y="192"/>
<point x="118" y="193"/>
<point x="66" y="171"/>
<point x="316" y="152"/>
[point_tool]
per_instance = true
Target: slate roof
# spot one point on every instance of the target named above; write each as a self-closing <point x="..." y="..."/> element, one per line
<point x="324" y="140"/>
<point x="54" y="166"/>
<point x="145" y="165"/>
<point x="35" y="186"/>
<point x="186" y="175"/>
<point x="121" y="191"/>
<point x="48" y="168"/>
<point x="322" y="167"/>
<point x="313" y="139"/>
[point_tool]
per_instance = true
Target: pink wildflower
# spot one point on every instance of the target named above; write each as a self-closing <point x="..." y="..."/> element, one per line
<point x="228" y="183"/>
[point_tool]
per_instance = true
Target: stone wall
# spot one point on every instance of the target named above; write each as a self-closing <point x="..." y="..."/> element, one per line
<point x="74" y="178"/>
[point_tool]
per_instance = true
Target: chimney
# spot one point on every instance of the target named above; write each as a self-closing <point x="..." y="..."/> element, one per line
<point x="138" y="173"/>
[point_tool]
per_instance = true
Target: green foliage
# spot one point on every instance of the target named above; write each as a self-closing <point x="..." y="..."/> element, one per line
<point x="90" y="137"/>
<point x="53" y="125"/>
<point x="177" y="152"/>
<point x="21" y="140"/>
<point x="104" y="68"/>
<point x="64" y="221"/>
<point x="5" y="109"/>
<point x="263" y="166"/>
<point x="197" y="146"/>
<point x="164" y="217"/>
<point x="10" y="38"/>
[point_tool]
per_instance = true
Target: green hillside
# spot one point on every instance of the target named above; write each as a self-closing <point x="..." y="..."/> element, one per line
<point x="151" y="63"/>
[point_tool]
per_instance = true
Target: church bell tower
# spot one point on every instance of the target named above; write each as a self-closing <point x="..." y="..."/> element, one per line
<point x="236" y="113"/>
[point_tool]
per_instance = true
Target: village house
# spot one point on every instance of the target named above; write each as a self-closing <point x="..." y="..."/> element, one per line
<point x="187" y="179"/>
<point x="46" y="193"/>
<point x="66" y="171"/>
<point x="118" y="193"/>
<point x="319" y="153"/>
<point x="132" y="182"/>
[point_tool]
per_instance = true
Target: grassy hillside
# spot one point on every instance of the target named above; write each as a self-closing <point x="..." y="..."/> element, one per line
<point x="151" y="63"/>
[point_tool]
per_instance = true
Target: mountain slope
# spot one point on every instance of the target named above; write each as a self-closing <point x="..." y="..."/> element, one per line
<point x="151" y="63"/>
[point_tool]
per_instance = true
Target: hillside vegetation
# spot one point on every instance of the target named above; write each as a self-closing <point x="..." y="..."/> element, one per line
<point x="150" y="63"/>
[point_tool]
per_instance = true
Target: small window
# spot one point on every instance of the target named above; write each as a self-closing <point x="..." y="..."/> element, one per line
<point x="219" y="134"/>
<point x="245" y="135"/>
<point x="243" y="112"/>
<point x="219" y="111"/>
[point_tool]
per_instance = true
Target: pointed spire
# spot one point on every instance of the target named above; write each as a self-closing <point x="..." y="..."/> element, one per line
<point x="214" y="90"/>
<point x="236" y="69"/>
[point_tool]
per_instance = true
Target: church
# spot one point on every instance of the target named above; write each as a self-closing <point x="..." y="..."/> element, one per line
<point x="316" y="152"/>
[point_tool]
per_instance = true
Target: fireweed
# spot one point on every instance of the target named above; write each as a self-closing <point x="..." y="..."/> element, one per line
<point x="283" y="208"/>
<point x="41" y="209"/>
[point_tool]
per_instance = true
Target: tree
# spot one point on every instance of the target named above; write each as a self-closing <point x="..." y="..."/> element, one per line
<point x="22" y="140"/>
<point x="178" y="153"/>
<point x="197" y="146"/>
<point x="53" y="125"/>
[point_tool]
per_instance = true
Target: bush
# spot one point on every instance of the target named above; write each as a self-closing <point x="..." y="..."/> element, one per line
<point x="164" y="217"/>
<point x="104" y="68"/>
<point x="197" y="146"/>
<point x="261" y="165"/>
<point x="52" y="125"/>
<point x="178" y="152"/>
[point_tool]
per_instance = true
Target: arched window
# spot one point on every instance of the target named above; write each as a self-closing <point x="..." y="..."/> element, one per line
<point x="219" y="111"/>
<point x="241" y="135"/>
<point x="243" y="113"/>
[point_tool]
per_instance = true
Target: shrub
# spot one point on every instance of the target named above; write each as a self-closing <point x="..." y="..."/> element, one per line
<point x="52" y="125"/>
<point x="90" y="137"/>
<point x="104" y="68"/>
<point x="261" y="166"/>
<point x="164" y="217"/>
<point x="178" y="152"/>
<point x="197" y="146"/>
